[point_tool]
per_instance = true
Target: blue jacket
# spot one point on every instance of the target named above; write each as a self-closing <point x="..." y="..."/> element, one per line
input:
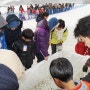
<point x="42" y="37"/>
<point x="3" y="44"/>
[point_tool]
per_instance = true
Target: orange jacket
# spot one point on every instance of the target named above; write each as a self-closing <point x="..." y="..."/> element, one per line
<point x="83" y="85"/>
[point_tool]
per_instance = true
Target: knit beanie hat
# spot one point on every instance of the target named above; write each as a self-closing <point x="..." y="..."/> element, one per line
<point x="8" y="80"/>
<point x="52" y="23"/>
<point x="2" y="21"/>
<point x="13" y="24"/>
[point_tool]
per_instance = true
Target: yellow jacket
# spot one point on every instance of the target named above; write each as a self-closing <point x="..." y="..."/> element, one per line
<point x="54" y="37"/>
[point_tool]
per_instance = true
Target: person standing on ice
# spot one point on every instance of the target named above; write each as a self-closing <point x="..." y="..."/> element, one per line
<point x="12" y="30"/>
<point x="59" y="33"/>
<point x="21" y="13"/>
<point x="61" y="71"/>
<point x="82" y="30"/>
<point x="24" y="48"/>
<point x="3" y="23"/>
<point x="41" y="38"/>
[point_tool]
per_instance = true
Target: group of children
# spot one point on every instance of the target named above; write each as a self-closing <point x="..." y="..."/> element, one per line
<point x="25" y="44"/>
<point x="12" y="38"/>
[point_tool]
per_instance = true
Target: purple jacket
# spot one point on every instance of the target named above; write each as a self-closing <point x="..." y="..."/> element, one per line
<point x="42" y="37"/>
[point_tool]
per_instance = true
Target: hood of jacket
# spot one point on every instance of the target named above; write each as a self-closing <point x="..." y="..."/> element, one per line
<point x="43" y="24"/>
<point x="13" y="17"/>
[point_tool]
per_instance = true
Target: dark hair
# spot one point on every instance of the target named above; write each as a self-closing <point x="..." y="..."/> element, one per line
<point x="28" y="34"/>
<point x="87" y="64"/>
<point x="62" y="23"/>
<point x="61" y="69"/>
<point x="41" y="16"/>
<point x="45" y="14"/>
<point x="83" y="27"/>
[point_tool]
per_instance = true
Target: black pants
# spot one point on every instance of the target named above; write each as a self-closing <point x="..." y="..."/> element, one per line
<point x="27" y="63"/>
<point x="40" y="57"/>
<point x="53" y="47"/>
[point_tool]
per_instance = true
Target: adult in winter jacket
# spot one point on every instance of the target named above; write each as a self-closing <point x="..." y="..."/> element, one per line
<point x="12" y="30"/>
<point x="3" y="23"/>
<point x="62" y="72"/>
<point x="41" y="37"/>
<point x="24" y="48"/>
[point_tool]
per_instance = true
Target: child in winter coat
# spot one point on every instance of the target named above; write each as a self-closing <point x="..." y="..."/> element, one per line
<point x="58" y="34"/>
<point x="3" y="23"/>
<point x="41" y="16"/>
<point x="24" y="48"/>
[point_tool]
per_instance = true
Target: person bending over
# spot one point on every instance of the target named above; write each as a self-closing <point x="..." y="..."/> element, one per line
<point x="62" y="72"/>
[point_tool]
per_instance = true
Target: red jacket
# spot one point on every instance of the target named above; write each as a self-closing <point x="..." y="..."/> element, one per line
<point x="80" y="48"/>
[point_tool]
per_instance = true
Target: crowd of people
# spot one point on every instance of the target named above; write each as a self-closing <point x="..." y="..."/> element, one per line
<point x="28" y="44"/>
<point x="10" y="9"/>
<point x="31" y="11"/>
<point x="62" y="70"/>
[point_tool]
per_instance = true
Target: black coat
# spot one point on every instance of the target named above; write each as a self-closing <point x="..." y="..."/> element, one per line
<point x="86" y="78"/>
<point x="26" y="56"/>
<point x="12" y="35"/>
